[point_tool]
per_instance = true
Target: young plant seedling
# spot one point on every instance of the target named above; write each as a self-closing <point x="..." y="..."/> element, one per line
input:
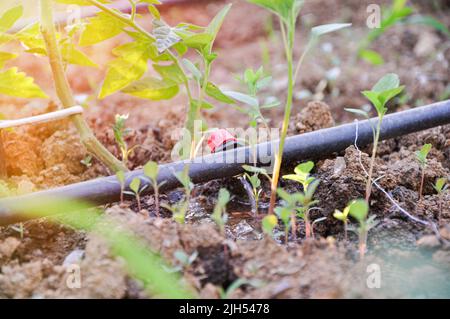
<point x="219" y="216"/>
<point x="440" y="187"/>
<point x="381" y="93"/>
<point x="268" y="224"/>
<point x="306" y="200"/>
<point x="286" y="214"/>
<point x="180" y="209"/>
<point x="255" y="81"/>
<point x="316" y="221"/>
<point x="120" y="175"/>
<point x="136" y="190"/>
<point x="359" y="210"/>
<point x="120" y="132"/>
<point x="422" y="158"/>
<point x="253" y="176"/>
<point x="343" y="217"/>
<point x="184" y="259"/>
<point x="288" y="12"/>
<point x="151" y="170"/>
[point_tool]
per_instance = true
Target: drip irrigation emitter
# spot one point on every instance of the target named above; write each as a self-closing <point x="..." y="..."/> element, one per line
<point x="313" y="145"/>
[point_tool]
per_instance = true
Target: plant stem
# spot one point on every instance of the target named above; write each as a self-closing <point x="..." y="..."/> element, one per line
<point x="64" y="93"/>
<point x="294" y="227"/>
<point x="138" y="199"/>
<point x="3" y="171"/>
<point x="372" y="161"/>
<point x="156" y="194"/>
<point x="287" y="115"/>
<point x="345" y="231"/>
<point x="421" y="183"/>
<point x="362" y="244"/>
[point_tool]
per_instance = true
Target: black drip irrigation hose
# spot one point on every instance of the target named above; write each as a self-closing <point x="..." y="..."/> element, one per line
<point x="298" y="148"/>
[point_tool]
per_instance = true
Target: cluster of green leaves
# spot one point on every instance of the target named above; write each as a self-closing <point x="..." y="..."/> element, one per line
<point x="252" y="174"/>
<point x="381" y="93"/>
<point x="359" y="210"/>
<point x="254" y="81"/>
<point x="441" y="185"/>
<point x="120" y="132"/>
<point x="397" y="13"/>
<point x="219" y="215"/>
<point x="422" y="155"/>
<point x="12" y="81"/>
<point x="298" y="204"/>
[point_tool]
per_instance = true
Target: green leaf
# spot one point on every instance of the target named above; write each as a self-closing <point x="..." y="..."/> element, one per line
<point x="170" y="72"/>
<point x="359" y="210"/>
<point x="304" y="168"/>
<point x="388" y="82"/>
<point x="371" y="56"/>
<point x="373" y="97"/>
<point x="198" y="41"/>
<point x="151" y="170"/>
<point x="357" y="112"/>
<point x="387" y="95"/>
<point x="130" y="66"/>
<point x="328" y="28"/>
<point x="6" y="56"/>
<point x="286" y="9"/>
<point x="216" y="23"/>
<point x="165" y="36"/>
<point x="14" y="83"/>
<point x="193" y="69"/>
<point x="80" y="2"/>
<point x="429" y="21"/>
<point x="423" y="153"/>
<point x="204" y="105"/>
<point x="213" y="91"/>
<point x="339" y="215"/>
<point x="268" y="224"/>
<point x="243" y="98"/>
<point x="224" y="197"/>
<point x="254" y="169"/>
<point x="10" y="17"/>
<point x="72" y="55"/>
<point x="100" y="28"/>
<point x="153" y="89"/>
<point x="135" y="185"/>
<point x="440" y="184"/>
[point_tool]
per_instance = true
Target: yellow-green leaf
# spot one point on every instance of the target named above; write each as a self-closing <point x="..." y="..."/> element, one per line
<point x="153" y="89"/>
<point x="5" y="56"/>
<point x="130" y="66"/>
<point x="100" y="28"/>
<point x="80" y="2"/>
<point x="18" y="84"/>
<point x="10" y="17"/>
<point x="72" y="55"/>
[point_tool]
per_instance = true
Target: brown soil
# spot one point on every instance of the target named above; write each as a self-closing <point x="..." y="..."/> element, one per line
<point x="413" y="259"/>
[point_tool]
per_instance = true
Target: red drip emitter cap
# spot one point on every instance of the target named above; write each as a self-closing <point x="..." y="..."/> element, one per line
<point x="219" y="139"/>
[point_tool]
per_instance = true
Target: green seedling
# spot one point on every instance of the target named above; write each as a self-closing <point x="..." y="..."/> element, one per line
<point x="441" y="185"/>
<point x="120" y="133"/>
<point x="382" y="92"/>
<point x="252" y="174"/>
<point x="87" y="161"/>
<point x="136" y="191"/>
<point x="255" y="81"/>
<point x="316" y="221"/>
<point x="180" y="209"/>
<point x="151" y="171"/>
<point x="184" y="259"/>
<point x="268" y="224"/>
<point x="359" y="210"/>
<point x="120" y="175"/>
<point x="19" y="228"/>
<point x="219" y="216"/>
<point x="422" y="158"/>
<point x="343" y="217"/>
<point x="305" y="198"/>
<point x="288" y="12"/>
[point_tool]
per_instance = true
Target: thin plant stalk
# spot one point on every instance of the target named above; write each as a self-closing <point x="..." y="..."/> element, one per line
<point x="289" y="39"/>
<point x="64" y="93"/>
<point x="372" y="161"/>
<point x="3" y="171"/>
<point x="421" y="184"/>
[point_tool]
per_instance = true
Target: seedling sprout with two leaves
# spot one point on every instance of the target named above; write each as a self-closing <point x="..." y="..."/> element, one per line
<point x="288" y="12"/>
<point x="120" y="132"/>
<point x="359" y="209"/>
<point x="151" y="171"/>
<point x="421" y="156"/>
<point x="136" y="190"/>
<point x="305" y="198"/>
<point x="252" y="174"/>
<point x="381" y="93"/>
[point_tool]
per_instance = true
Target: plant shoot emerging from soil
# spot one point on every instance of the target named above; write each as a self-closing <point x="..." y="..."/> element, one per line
<point x="359" y="210"/>
<point x="136" y="191"/>
<point x="253" y="176"/>
<point x="305" y="198"/>
<point x="421" y="156"/>
<point x="288" y="12"/>
<point x="120" y="133"/>
<point x="219" y="216"/>
<point x="151" y="171"/>
<point x="343" y="217"/>
<point x="381" y="93"/>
